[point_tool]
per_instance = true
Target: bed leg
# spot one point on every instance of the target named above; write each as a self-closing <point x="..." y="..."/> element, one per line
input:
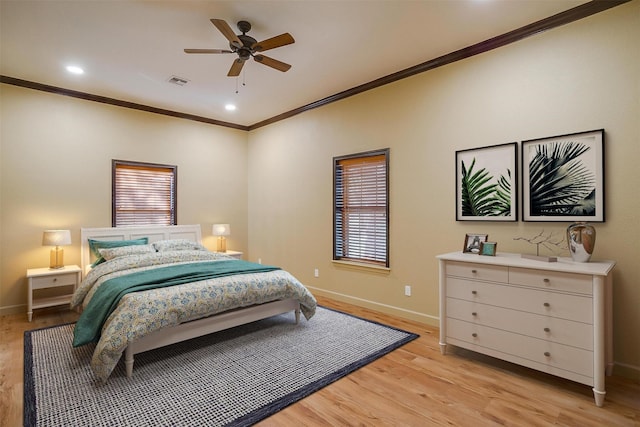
<point x="297" y="311"/>
<point x="128" y="361"/>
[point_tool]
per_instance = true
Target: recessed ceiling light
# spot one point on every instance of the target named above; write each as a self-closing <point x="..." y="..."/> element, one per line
<point x="74" y="69"/>
<point x="230" y="107"/>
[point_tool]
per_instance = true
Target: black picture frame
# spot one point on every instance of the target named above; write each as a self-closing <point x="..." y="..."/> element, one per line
<point x="472" y="242"/>
<point x="563" y="178"/>
<point x="487" y="183"/>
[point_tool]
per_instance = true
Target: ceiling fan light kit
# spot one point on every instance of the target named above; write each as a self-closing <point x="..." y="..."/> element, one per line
<point x="247" y="47"/>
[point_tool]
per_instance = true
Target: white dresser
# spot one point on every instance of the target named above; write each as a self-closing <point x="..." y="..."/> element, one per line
<point x="551" y="316"/>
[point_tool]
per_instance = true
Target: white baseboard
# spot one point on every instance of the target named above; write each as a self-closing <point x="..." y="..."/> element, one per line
<point x="22" y="309"/>
<point x="626" y="370"/>
<point x="385" y="308"/>
<point x="13" y="309"/>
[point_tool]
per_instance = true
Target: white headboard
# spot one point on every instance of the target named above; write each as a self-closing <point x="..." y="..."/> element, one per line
<point x="154" y="233"/>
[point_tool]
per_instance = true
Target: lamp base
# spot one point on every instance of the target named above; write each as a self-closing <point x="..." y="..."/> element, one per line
<point x="222" y="244"/>
<point x="56" y="258"/>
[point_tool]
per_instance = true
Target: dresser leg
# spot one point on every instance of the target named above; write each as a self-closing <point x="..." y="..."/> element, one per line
<point x="599" y="396"/>
<point x="600" y="350"/>
<point x="443" y="348"/>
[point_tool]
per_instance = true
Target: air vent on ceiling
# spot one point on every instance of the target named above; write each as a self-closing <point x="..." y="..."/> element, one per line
<point x="178" y="80"/>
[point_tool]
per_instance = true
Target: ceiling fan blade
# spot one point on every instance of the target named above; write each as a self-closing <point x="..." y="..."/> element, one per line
<point x="273" y="63"/>
<point x="236" y="67"/>
<point x="207" y="51"/>
<point x="226" y="31"/>
<point x="273" y="42"/>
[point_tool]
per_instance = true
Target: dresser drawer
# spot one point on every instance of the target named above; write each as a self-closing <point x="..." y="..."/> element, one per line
<point x="561" y="331"/>
<point x="54" y="281"/>
<point x="544" y="352"/>
<point x="494" y="273"/>
<point x="552" y="280"/>
<point x="546" y="303"/>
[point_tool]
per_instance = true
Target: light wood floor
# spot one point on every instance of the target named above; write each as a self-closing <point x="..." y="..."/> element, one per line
<point x="412" y="386"/>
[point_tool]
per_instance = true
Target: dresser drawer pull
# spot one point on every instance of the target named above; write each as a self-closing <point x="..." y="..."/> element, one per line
<point x="55" y="279"/>
<point x="547" y="354"/>
<point x="547" y="330"/>
<point x="546" y="281"/>
<point x="474" y="271"/>
<point x="474" y="314"/>
<point x="474" y="335"/>
<point x="546" y="304"/>
<point x="474" y="292"/>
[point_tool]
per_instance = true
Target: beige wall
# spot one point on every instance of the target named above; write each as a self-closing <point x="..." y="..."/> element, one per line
<point x="55" y="159"/>
<point x="579" y="77"/>
<point x="274" y="184"/>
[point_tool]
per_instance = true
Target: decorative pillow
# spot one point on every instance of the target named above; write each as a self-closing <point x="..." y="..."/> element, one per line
<point x="111" y="253"/>
<point x="96" y="245"/>
<point x="178" y="245"/>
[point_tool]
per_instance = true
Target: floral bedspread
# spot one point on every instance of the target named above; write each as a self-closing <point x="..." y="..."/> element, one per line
<point x="141" y="313"/>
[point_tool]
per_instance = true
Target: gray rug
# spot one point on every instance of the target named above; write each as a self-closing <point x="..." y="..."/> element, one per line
<point x="234" y="377"/>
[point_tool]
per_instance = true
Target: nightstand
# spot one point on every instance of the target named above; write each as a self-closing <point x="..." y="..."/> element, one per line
<point x="41" y="278"/>
<point x="234" y="254"/>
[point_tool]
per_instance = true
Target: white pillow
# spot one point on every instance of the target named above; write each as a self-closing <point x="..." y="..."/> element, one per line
<point x="111" y="253"/>
<point x="178" y="245"/>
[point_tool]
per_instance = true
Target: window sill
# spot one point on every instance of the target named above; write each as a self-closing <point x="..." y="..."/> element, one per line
<point x="350" y="265"/>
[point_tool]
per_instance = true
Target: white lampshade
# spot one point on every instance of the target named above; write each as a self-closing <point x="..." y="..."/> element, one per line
<point x="56" y="238"/>
<point x="221" y="229"/>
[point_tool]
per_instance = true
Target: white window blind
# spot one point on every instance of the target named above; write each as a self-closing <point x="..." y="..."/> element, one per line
<point x="361" y="209"/>
<point x="143" y="194"/>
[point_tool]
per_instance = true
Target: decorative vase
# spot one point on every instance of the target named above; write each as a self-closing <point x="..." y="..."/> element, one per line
<point x="581" y="238"/>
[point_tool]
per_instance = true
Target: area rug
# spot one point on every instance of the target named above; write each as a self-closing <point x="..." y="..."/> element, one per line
<point x="235" y="377"/>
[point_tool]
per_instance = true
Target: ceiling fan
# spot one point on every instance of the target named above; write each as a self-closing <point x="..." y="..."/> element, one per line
<point x="246" y="47"/>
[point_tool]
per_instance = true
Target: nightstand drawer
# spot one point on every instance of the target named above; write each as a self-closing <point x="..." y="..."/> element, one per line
<point x="69" y="279"/>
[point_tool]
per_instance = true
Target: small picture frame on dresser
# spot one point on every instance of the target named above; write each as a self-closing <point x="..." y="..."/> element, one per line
<point x="488" y="248"/>
<point x="472" y="242"/>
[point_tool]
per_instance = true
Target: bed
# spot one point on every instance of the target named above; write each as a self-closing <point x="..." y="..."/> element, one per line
<point x="161" y="315"/>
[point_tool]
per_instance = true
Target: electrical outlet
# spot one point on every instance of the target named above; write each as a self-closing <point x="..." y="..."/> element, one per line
<point x="407" y="290"/>
<point x="259" y="260"/>
<point x="316" y="273"/>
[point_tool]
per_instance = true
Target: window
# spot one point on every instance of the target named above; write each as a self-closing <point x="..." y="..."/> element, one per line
<point x="143" y="193"/>
<point x="361" y="208"/>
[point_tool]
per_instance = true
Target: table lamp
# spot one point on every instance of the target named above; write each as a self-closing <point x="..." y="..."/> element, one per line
<point x="56" y="238"/>
<point x="221" y="230"/>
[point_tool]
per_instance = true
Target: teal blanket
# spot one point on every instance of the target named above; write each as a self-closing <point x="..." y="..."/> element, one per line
<point x="106" y="298"/>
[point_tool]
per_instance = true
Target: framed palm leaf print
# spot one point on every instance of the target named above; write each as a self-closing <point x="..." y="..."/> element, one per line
<point x="486" y="183"/>
<point x="563" y="178"/>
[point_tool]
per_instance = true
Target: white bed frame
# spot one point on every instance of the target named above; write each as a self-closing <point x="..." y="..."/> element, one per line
<point x="188" y="330"/>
